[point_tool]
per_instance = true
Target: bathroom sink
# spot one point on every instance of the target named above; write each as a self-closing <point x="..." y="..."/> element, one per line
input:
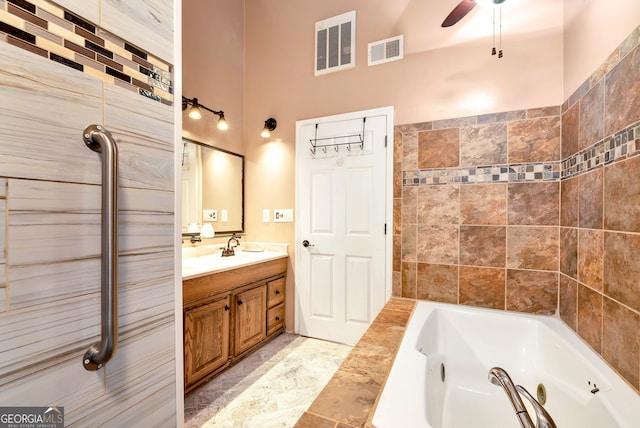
<point x="211" y="263"/>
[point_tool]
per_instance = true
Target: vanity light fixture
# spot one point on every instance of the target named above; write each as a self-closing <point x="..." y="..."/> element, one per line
<point x="195" y="111"/>
<point x="269" y="125"/>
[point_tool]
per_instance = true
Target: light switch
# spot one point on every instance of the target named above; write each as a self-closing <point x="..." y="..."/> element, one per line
<point x="265" y="216"/>
<point x="225" y="215"/>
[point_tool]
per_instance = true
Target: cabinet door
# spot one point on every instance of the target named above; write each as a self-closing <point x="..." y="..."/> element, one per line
<point x="250" y="321"/>
<point x="206" y="339"/>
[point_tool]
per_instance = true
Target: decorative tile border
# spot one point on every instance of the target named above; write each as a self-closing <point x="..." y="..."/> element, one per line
<point x="50" y="31"/>
<point x="622" y="144"/>
<point x="515" y="173"/>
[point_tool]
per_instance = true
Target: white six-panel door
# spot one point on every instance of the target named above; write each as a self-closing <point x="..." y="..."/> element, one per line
<point x="341" y="269"/>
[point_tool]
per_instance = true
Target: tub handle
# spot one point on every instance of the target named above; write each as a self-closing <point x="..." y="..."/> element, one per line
<point x="100" y="140"/>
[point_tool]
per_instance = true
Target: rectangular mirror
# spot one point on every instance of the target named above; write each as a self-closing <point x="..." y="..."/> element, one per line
<point x="212" y="189"/>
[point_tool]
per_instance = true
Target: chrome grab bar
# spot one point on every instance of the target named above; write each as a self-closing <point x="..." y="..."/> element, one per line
<point x="100" y="140"/>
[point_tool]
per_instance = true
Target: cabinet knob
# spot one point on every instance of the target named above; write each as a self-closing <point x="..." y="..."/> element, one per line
<point x="226" y="307"/>
<point x="277" y="291"/>
<point x="277" y="318"/>
<point x="239" y="302"/>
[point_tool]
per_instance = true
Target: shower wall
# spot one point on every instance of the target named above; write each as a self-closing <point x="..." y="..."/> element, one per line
<point x="600" y="210"/>
<point x="476" y="210"/>
<point x="63" y="68"/>
<point x="534" y="210"/>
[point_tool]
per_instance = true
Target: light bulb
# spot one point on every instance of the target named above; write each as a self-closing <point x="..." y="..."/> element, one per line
<point x="222" y="124"/>
<point x="194" y="112"/>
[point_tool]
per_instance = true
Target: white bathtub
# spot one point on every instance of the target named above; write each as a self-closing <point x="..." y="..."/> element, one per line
<point x="468" y="342"/>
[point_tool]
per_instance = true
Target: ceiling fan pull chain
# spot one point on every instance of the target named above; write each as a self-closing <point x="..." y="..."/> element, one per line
<point x="500" y="51"/>
<point x="493" y="49"/>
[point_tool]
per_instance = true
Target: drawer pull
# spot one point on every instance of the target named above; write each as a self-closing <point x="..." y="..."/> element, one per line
<point x="277" y="318"/>
<point x="226" y="307"/>
<point x="277" y="291"/>
<point x="239" y="302"/>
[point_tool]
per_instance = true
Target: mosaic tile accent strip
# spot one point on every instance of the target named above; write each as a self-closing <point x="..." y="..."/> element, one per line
<point x="43" y="28"/>
<point x="622" y="144"/>
<point x="516" y="173"/>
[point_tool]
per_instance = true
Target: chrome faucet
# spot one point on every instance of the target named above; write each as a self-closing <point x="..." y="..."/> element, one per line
<point x="499" y="377"/>
<point x="230" y="251"/>
<point x="543" y="418"/>
<point x="193" y="237"/>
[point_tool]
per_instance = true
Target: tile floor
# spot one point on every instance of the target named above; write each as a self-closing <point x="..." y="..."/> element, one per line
<point x="272" y="387"/>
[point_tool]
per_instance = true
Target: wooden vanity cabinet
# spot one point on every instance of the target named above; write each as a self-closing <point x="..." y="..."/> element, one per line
<point x="229" y="314"/>
<point x="250" y="325"/>
<point x="206" y="339"/>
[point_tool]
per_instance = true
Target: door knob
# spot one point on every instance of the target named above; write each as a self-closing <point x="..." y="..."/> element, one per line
<point x="305" y="243"/>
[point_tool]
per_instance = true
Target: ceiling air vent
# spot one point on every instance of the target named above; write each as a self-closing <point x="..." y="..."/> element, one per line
<point x="335" y="43"/>
<point x="386" y="50"/>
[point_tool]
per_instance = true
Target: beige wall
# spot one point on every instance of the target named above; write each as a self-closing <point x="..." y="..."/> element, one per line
<point x="593" y="30"/>
<point x="213" y="63"/>
<point x="426" y="85"/>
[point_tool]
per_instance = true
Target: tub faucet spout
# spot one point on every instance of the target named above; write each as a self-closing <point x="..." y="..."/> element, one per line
<point x="499" y="377"/>
<point x="543" y="418"/>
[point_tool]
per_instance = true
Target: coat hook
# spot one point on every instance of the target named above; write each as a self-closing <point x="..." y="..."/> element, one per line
<point x="337" y="148"/>
<point x="312" y="150"/>
<point x="349" y="147"/>
<point x="324" y="149"/>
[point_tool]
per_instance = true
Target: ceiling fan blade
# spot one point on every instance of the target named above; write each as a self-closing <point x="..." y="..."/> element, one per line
<point x="459" y="12"/>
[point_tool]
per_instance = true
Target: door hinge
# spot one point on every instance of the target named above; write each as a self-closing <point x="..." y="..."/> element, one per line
<point x="385" y="141"/>
<point x="385" y="228"/>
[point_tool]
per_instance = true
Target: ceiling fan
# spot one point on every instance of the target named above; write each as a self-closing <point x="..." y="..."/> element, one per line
<point x="461" y="10"/>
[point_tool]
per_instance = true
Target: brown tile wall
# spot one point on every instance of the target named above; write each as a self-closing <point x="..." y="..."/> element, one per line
<point x="600" y="212"/>
<point x="479" y="221"/>
<point x="480" y="224"/>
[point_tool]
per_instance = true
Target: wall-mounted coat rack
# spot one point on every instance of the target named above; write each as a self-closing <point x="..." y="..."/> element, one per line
<point x="316" y="143"/>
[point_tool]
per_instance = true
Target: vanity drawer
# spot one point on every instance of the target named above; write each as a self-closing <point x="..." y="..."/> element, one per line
<point x="275" y="319"/>
<point x="275" y="292"/>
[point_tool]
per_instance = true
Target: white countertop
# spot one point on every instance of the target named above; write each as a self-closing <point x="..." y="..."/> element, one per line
<point x="207" y="259"/>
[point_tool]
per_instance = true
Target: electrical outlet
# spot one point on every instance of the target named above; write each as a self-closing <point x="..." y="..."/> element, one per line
<point x="265" y="216"/>
<point x="210" y="215"/>
<point x="282" y="215"/>
<point x="225" y="215"/>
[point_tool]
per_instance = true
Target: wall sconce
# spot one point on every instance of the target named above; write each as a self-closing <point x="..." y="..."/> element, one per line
<point x="269" y="125"/>
<point x="195" y="113"/>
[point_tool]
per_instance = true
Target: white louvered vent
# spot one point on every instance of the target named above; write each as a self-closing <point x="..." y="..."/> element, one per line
<point x="335" y="43"/>
<point x="386" y="50"/>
